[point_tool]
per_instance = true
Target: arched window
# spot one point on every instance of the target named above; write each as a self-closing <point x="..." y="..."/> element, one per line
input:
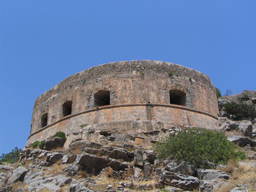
<point x="44" y="120"/>
<point x="102" y="98"/>
<point x="177" y="97"/>
<point x="67" y="108"/>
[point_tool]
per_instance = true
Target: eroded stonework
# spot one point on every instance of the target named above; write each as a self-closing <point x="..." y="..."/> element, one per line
<point x="131" y="97"/>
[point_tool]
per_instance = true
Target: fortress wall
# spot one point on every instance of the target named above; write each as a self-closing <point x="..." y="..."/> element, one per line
<point x="134" y="119"/>
<point x="131" y="82"/>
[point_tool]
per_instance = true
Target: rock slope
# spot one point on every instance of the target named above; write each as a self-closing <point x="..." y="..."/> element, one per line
<point x="114" y="165"/>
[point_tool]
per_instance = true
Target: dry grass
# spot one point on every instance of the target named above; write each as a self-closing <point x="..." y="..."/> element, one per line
<point x="233" y="133"/>
<point x="242" y="173"/>
<point x="102" y="181"/>
<point x="18" y="186"/>
<point x="230" y="167"/>
<point x="55" y="169"/>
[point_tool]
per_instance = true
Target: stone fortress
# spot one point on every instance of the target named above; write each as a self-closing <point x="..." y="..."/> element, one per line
<point x="132" y="97"/>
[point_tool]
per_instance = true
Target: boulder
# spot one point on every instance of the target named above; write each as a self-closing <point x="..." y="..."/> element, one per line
<point x="53" y="143"/>
<point x="49" y="183"/>
<point x="72" y="170"/>
<point x="253" y="132"/>
<point x="17" y="175"/>
<point x="69" y="158"/>
<point x="121" y="154"/>
<point x="182" y="168"/>
<point x="242" y="141"/>
<point x="178" y="180"/>
<point x="149" y="156"/>
<point x="228" y="125"/>
<point x="211" y="174"/>
<point x="210" y="185"/>
<point x="77" y="187"/>
<point x="245" y="127"/>
<point x="147" y="169"/>
<point x="81" y="144"/>
<point x="138" y="158"/>
<point x="137" y="172"/>
<point x="94" y="164"/>
<point x="53" y="157"/>
<point x="143" y="156"/>
<point x="32" y="176"/>
<point x="241" y="188"/>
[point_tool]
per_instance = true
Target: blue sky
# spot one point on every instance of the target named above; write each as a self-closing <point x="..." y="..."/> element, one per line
<point x="44" y="41"/>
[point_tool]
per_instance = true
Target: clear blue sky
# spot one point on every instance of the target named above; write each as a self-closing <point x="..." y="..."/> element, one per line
<point x="43" y="42"/>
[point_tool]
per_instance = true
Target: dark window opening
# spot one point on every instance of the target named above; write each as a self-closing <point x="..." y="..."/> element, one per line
<point x="102" y="98"/>
<point x="44" y="120"/>
<point x="177" y="97"/>
<point x="67" y="108"/>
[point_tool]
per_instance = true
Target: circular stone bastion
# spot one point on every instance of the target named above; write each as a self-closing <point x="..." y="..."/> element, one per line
<point x="129" y="97"/>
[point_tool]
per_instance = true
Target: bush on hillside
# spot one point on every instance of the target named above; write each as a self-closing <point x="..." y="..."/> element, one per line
<point x="240" y="111"/>
<point x="198" y="146"/>
<point x="11" y="157"/>
<point x="38" y="144"/>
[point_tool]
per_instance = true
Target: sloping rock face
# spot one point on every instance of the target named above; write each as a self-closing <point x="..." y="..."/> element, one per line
<point x="113" y="164"/>
<point x="17" y="175"/>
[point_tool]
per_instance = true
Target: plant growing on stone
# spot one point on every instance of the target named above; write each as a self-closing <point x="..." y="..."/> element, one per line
<point x="35" y="144"/>
<point x="198" y="147"/>
<point x="38" y="144"/>
<point x="60" y="134"/>
<point x="41" y="144"/>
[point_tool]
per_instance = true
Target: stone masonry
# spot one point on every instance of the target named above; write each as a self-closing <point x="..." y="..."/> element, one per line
<point x="129" y="96"/>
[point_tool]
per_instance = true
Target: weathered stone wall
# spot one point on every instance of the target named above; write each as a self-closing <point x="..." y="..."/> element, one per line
<point x="129" y="83"/>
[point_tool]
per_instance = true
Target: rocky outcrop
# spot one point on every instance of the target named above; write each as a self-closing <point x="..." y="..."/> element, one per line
<point x="53" y="143"/>
<point x="178" y="180"/>
<point x="211" y="174"/>
<point x="242" y="141"/>
<point x="94" y="164"/>
<point x="17" y="175"/>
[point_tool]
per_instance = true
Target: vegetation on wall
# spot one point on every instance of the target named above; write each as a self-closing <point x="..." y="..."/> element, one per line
<point x="198" y="147"/>
<point x="11" y="157"/>
<point x="60" y="134"/>
<point x="41" y="144"/>
<point x="38" y="144"/>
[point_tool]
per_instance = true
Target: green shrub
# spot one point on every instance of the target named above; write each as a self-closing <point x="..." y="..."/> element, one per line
<point x="38" y="144"/>
<point x="35" y="144"/>
<point x="11" y="157"/>
<point x="60" y="134"/>
<point x="41" y="144"/>
<point x="240" y="111"/>
<point x="198" y="146"/>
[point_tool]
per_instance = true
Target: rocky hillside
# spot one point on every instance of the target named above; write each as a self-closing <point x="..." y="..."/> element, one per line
<point x="120" y="162"/>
